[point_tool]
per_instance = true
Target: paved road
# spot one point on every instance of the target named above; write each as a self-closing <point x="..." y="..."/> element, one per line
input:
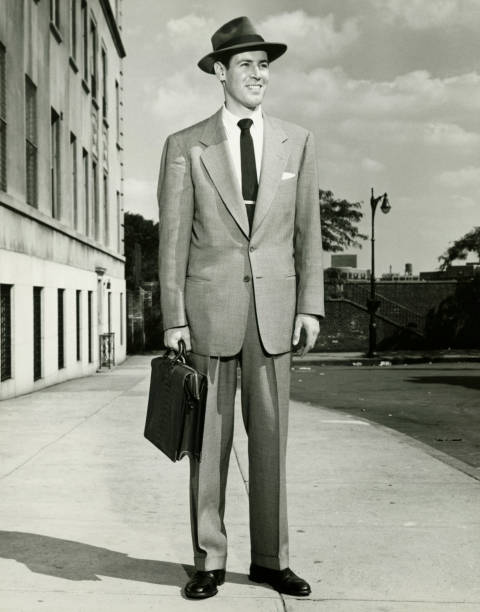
<point x="436" y="404"/>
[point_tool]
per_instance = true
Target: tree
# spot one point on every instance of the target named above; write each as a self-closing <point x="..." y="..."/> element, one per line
<point x="339" y="223"/>
<point x="470" y="243"/>
<point x="143" y="233"/>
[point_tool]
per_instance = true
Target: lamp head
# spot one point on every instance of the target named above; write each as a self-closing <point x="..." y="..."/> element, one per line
<point x="385" y="207"/>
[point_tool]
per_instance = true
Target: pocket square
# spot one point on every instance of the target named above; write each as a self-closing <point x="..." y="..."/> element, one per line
<point x="287" y="175"/>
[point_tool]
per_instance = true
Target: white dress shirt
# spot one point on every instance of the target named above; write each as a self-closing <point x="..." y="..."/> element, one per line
<point x="233" y="137"/>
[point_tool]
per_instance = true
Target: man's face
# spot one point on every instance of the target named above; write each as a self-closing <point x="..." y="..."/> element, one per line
<point x="246" y="80"/>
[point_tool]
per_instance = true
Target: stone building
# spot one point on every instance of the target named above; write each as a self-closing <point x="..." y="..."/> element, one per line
<point x="62" y="287"/>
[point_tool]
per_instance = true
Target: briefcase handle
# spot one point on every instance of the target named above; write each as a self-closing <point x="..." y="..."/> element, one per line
<point x="179" y="356"/>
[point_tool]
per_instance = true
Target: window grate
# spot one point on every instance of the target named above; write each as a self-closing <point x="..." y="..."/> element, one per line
<point x="90" y="331"/>
<point x="61" y="328"/>
<point x="37" y="333"/>
<point x="3" y="119"/>
<point x="95" y="203"/>
<point x="55" y="163"/>
<point x="78" y="322"/>
<point x="31" y="141"/>
<point x="5" y="332"/>
<point x="106" y="210"/>
<point x="73" y="161"/>
<point x="85" y="189"/>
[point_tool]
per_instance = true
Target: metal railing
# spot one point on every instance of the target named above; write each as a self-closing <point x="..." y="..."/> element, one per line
<point x="391" y="311"/>
<point x="107" y="350"/>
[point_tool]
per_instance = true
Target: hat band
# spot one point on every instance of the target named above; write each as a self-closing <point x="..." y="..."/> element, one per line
<point x="246" y="38"/>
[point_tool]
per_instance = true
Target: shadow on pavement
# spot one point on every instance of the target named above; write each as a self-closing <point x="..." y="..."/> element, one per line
<point x="76" y="561"/>
<point x="469" y="382"/>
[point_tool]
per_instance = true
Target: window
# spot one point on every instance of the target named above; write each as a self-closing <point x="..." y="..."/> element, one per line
<point x="96" y="211"/>
<point x="61" y="327"/>
<point x="73" y="161"/>
<point x="37" y="333"/>
<point x="78" y="324"/>
<point x="106" y="215"/>
<point x="5" y="332"/>
<point x="109" y="311"/>
<point x="117" y="110"/>
<point x="104" y="82"/>
<point x="55" y="13"/>
<point x="3" y="119"/>
<point x="31" y="142"/>
<point x="90" y="330"/>
<point x="93" y="59"/>
<point x="55" y="163"/>
<point x="121" y="318"/>
<point x="73" y="28"/>
<point x="85" y="188"/>
<point x="85" y="40"/>
<point x="119" y="223"/>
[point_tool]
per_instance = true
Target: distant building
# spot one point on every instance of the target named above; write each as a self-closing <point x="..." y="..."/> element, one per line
<point x="344" y="261"/>
<point x="464" y="272"/>
<point x="62" y="287"/>
<point x="345" y="267"/>
<point x="397" y="276"/>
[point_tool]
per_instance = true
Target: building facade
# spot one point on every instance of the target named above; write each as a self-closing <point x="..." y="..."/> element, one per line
<point x="62" y="286"/>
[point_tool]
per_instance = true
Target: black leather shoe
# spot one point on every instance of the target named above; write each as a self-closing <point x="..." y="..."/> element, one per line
<point x="283" y="581"/>
<point x="204" y="584"/>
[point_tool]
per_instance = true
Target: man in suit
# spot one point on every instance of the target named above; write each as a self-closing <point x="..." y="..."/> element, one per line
<point x="241" y="280"/>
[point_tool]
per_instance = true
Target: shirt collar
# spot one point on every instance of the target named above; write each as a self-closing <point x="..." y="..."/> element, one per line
<point x="230" y="120"/>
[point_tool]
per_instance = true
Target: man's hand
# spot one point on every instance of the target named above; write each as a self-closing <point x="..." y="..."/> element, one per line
<point x="311" y="326"/>
<point x="172" y="337"/>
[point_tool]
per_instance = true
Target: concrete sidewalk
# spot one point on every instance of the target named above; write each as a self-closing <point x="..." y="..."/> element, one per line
<point x="94" y="518"/>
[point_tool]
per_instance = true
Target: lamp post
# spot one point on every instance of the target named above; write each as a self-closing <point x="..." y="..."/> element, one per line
<point x="372" y="302"/>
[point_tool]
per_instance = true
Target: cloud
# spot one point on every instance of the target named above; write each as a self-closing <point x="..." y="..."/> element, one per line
<point x="371" y="165"/>
<point x="411" y="109"/>
<point x="425" y="14"/>
<point x="450" y="135"/>
<point x="185" y="98"/>
<point x="463" y="178"/>
<point x="187" y="34"/>
<point x="415" y="94"/>
<point x="310" y="39"/>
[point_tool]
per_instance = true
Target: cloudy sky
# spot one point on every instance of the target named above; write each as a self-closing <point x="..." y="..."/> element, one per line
<point x="390" y="88"/>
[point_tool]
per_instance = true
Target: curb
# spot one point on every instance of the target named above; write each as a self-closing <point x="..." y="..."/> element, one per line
<point x="384" y="361"/>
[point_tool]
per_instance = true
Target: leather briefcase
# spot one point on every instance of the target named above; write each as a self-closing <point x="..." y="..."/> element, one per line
<point x="176" y="406"/>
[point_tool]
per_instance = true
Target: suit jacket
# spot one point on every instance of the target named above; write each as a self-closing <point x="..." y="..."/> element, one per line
<point x="207" y="259"/>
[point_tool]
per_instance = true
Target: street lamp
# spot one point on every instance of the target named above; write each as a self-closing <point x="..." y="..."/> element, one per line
<point x="372" y="303"/>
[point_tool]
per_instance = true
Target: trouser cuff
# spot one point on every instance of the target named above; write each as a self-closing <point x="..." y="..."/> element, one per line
<point x="207" y="564"/>
<point x="269" y="561"/>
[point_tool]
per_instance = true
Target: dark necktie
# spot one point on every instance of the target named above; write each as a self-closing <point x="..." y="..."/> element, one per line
<point x="249" y="168"/>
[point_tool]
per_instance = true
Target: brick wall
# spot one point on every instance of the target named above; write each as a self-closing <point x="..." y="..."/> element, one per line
<point x="345" y="327"/>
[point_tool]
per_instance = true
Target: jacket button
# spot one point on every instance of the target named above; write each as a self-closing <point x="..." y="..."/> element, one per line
<point x="251" y="249"/>
<point x="246" y="279"/>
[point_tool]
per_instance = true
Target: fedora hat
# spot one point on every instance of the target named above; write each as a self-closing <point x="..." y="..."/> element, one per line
<point x="236" y="36"/>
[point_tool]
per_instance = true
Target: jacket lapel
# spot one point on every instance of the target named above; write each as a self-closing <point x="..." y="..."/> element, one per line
<point x="274" y="160"/>
<point x="216" y="159"/>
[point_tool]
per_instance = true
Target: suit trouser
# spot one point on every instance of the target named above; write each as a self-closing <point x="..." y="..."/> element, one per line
<point x="265" y="388"/>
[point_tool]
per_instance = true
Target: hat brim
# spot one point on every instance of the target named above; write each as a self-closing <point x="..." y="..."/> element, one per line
<point x="273" y="50"/>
